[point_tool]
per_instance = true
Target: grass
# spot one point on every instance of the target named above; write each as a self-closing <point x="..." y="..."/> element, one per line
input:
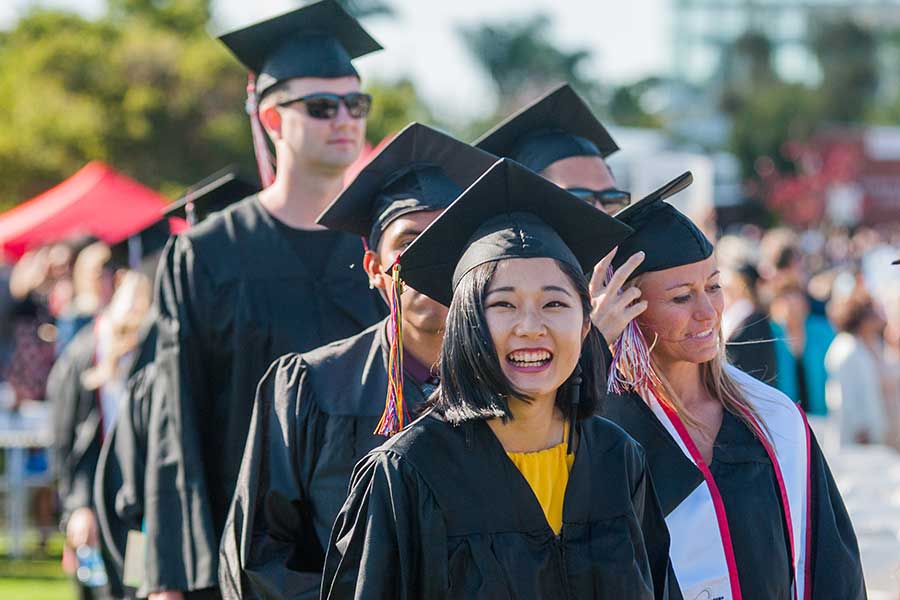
<point x="37" y="578"/>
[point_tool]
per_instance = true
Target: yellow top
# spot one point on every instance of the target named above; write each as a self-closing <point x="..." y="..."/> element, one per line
<point x="547" y="472"/>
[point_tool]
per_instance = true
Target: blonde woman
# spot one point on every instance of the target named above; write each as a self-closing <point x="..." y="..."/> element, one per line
<point x="751" y="506"/>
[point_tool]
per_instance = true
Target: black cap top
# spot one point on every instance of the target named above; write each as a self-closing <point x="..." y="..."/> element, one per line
<point x="212" y="194"/>
<point x="421" y="169"/>
<point x="896" y="262"/>
<point x="316" y="40"/>
<point x="667" y="237"/>
<point x="556" y="126"/>
<point x="144" y="245"/>
<point x="510" y="212"/>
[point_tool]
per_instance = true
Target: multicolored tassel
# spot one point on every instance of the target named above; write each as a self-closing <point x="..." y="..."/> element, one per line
<point x="396" y="412"/>
<point x="264" y="161"/>
<point x="631" y="366"/>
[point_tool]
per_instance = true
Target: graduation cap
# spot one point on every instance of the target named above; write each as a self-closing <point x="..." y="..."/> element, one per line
<point x="421" y="169"/>
<point x="316" y="40"/>
<point x="212" y="194"/>
<point x="667" y="237"/>
<point x="135" y="251"/>
<point x="510" y="212"/>
<point x="556" y="126"/>
<point x="896" y="262"/>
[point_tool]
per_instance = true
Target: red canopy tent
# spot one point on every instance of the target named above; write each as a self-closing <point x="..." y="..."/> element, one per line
<point x="96" y="201"/>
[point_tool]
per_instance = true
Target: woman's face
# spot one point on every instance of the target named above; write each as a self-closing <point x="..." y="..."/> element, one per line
<point x="537" y="324"/>
<point x="684" y="310"/>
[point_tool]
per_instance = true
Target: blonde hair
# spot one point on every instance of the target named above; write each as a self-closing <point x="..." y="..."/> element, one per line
<point x="126" y="315"/>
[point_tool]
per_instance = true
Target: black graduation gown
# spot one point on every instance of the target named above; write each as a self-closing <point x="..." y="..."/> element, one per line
<point x="78" y="438"/>
<point x="751" y="348"/>
<point x="442" y="512"/>
<point x="119" y="481"/>
<point x="77" y="423"/>
<point x="749" y="488"/>
<point x="233" y="295"/>
<point x="313" y="420"/>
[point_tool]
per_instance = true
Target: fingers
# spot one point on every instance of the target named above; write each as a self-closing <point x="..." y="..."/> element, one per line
<point x="598" y="277"/>
<point x="604" y="263"/>
<point x="624" y="272"/>
<point x="634" y="311"/>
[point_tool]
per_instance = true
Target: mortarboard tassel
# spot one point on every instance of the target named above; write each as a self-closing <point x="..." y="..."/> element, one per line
<point x="631" y="366"/>
<point x="396" y="413"/>
<point x="264" y="160"/>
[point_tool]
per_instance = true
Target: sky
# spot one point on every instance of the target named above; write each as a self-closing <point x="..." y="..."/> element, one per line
<point x="629" y="39"/>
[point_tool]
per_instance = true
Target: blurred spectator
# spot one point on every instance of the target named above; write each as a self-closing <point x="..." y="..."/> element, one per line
<point x="87" y="385"/>
<point x="745" y="324"/>
<point x="782" y="264"/>
<point x="92" y="287"/>
<point x="855" y="369"/>
<point x="889" y="301"/>
<point x="802" y="339"/>
<point x="33" y="331"/>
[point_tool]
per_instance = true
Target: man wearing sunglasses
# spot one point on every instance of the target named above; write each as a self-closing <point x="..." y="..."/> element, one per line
<point x="252" y="283"/>
<point x="559" y="137"/>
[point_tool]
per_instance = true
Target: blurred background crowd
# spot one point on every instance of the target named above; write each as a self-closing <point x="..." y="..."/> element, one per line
<point x="787" y="112"/>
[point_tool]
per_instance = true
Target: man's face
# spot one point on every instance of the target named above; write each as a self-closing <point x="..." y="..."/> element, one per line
<point x="331" y="144"/>
<point x="585" y="173"/>
<point x="419" y="311"/>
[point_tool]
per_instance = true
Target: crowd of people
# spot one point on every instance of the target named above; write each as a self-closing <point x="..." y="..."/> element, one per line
<point x="474" y="371"/>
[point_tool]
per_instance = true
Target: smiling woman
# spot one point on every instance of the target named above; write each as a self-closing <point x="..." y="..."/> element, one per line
<point x="507" y="487"/>
<point x="750" y="504"/>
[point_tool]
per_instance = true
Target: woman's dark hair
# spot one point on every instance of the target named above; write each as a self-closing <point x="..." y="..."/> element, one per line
<point x="473" y="385"/>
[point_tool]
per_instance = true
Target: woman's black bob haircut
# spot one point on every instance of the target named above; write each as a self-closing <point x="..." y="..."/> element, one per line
<point x="473" y="386"/>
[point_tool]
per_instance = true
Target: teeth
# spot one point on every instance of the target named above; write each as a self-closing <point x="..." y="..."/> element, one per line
<point x="703" y="334"/>
<point x="529" y="357"/>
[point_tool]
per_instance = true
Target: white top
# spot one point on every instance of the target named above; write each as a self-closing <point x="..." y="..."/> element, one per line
<point x="853" y="390"/>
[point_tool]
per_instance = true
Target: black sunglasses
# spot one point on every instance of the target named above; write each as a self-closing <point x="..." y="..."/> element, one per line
<point x="326" y="106"/>
<point x="608" y="198"/>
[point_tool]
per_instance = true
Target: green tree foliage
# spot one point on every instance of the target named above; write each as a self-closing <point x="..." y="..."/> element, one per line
<point x="160" y="104"/>
<point x="395" y="105"/>
<point x="521" y="60"/>
<point x="778" y="113"/>
<point x="627" y="104"/>
<point x="847" y="53"/>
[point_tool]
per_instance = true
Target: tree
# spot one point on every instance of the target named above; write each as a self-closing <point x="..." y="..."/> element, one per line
<point x="162" y="105"/>
<point x="395" y="105"/>
<point x="521" y="60"/>
<point x="847" y="54"/>
<point x="627" y="104"/>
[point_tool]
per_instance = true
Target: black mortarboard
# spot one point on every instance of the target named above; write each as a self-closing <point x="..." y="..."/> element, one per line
<point x="135" y="250"/>
<point x="421" y="169"/>
<point x="212" y="194"/>
<point x="510" y="212"/>
<point x="666" y="236"/>
<point x="316" y="40"/>
<point x="896" y="262"/>
<point x="556" y="126"/>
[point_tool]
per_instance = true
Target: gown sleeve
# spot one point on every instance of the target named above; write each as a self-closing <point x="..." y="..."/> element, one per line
<point x="836" y="567"/>
<point x="656" y="536"/>
<point x="75" y="427"/>
<point x="269" y="548"/>
<point x="181" y="538"/>
<point x="389" y="540"/>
